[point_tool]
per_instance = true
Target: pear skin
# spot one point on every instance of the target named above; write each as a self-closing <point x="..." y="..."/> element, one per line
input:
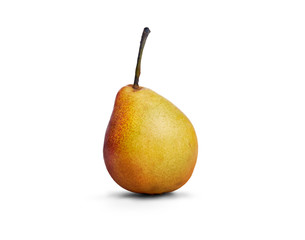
<point x="150" y="145"/>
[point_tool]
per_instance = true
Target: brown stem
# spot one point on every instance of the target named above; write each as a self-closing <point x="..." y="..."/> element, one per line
<point x="145" y="33"/>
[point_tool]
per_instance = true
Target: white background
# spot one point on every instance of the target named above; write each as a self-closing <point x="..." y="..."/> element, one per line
<point x="235" y="68"/>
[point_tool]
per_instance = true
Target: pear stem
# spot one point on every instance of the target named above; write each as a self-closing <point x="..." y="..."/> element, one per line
<point x="145" y="33"/>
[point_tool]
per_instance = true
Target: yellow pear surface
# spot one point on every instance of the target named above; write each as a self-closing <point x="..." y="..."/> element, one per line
<point x="150" y="145"/>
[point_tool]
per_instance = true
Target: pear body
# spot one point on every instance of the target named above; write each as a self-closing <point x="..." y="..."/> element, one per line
<point x="150" y="145"/>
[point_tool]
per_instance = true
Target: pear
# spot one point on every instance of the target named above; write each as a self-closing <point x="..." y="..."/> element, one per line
<point x="150" y="145"/>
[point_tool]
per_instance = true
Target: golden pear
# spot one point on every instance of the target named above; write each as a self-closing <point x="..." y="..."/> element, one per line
<point x="150" y="145"/>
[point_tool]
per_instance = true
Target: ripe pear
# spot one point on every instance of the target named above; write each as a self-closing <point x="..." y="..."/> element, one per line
<point x="150" y="145"/>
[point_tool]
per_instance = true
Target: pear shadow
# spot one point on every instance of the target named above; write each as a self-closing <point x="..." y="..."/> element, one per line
<point x="148" y="197"/>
